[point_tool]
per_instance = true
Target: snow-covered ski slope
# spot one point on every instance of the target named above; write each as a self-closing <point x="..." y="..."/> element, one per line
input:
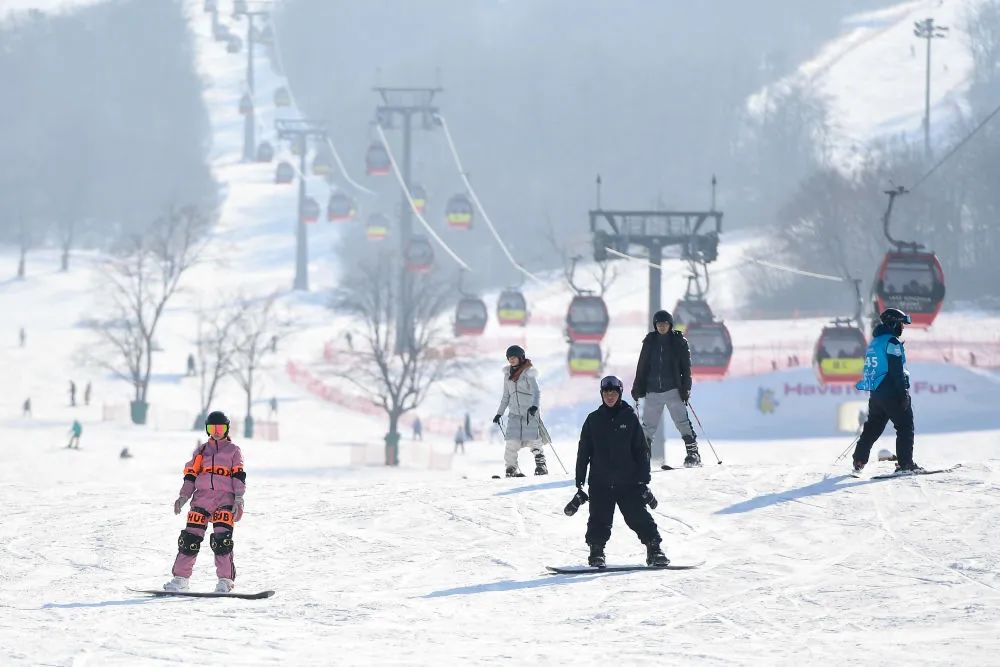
<point x="873" y="75"/>
<point x="803" y="565"/>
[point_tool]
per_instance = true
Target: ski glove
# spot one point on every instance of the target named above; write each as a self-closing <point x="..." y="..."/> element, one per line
<point x="648" y="497"/>
<point x="238" y="507"/>
<point x="685" y="395"/>
<point x="496" y="420"/>
<point x="533" y="410"/>
<point x="578" y="499"/>
<point x="179" y="504"/>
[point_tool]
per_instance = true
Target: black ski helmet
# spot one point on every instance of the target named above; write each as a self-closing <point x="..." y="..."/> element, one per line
<point x="515" y="351"/>
<point x="215" y="418"/>
<point x="612" y="382"/>
<point x="662" y="316"/>
<point x="893" y="316"/>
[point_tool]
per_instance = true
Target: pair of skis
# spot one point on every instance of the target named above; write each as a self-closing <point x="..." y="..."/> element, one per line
<point x="195" y="594"/>
<point x="894" y="475"/>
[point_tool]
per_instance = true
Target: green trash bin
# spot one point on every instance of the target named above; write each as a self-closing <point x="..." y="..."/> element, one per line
<point x="139" y="410"/>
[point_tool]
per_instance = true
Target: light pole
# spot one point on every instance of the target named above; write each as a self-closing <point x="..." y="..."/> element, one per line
<point x="927" y="30"/>
<point x="298" y="132"/>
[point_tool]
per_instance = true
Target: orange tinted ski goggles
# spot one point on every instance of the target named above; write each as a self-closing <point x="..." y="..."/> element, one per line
<point x="216" y="429"/>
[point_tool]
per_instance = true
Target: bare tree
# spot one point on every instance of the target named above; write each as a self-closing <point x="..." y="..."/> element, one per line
<point x="218" y="331"/>
<point x="258" y="330"/>
<point x="141" y="278"/>
<point x="395" y="382"/>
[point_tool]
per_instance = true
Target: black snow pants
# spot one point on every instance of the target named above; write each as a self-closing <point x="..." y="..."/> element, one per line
<point x="633" y="508"/>
<point x="880" y="413"/>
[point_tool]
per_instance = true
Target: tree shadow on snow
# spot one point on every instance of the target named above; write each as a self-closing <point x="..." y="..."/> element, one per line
<point x="825" y="485"/>
<point x="508" y="585"/>
<point x="567" y="483"/>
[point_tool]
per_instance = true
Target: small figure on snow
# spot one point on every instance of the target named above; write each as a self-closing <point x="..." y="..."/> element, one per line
<point x="418" y="429"/>
<point x="86" y="394"/>
<point x="72" y="393"/>
<point x="125" y="453"/>
<point x="191" y="370"/>
<point x="886" y="377"/>
<point x="663" y="380"/>
<point x="613" y="445"/>
<point x="521" y="396"/>
<point x="22" y="336"/>
<point x="215" y="482"/>
<point x="460" y="439"/>
<point x="76" y="430"/>
<point x="26" y="407"/>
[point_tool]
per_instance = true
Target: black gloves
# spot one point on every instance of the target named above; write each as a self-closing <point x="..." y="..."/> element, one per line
<point x="904" y="403"/>
<point x="533" y="410"/>
<point x="578" y="499"/>
<point x="496" y="420"/>
<point x="648" y="497"/>
<point x="685" y="395"/>
<point x="635" y="395"/>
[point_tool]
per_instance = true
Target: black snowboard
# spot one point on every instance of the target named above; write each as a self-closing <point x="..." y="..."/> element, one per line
<point x="926" y="472"/>
<point x="195" y="594"/>
<point x="586" y="569"/>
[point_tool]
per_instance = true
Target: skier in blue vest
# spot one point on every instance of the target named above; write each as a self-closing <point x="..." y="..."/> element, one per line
<point x="888" y="381"/>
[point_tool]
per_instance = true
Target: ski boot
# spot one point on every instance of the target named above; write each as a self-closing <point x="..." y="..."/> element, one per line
<point x="224" y="585"/>
<point x="176" y="585"/>
<point x="693" y="458"/>
<point x="540" y="468"/>
<point x="514" y="472"/>
<point x="655" y="556"/>
<point x="886" y="455"/>
<point x="911" y="468"/>
<point x="858" y="467"/>
<point x="596" y="558"/>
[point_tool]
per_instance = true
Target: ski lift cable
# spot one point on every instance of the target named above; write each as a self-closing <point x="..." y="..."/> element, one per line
<point x="955" y="148"/>
<point x="641" y="260"/>
<point x="479" y="204"/>
<point x="790" y="269"/>
<point x="413" y="206"/>
<point x="291" y="96"/>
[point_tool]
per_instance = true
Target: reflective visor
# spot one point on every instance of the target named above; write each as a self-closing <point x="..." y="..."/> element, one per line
<point x="216" y="429"/>
<point x="611" y="383"/>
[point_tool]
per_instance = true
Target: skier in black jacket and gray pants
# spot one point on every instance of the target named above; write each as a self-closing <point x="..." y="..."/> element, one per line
<point x="663" y="379"/>
<point x="612" y="444"/>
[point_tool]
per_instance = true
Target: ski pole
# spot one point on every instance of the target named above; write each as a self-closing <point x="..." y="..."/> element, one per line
<point x="500" y="426"/>
<point x="542" y="428"/>
<point x="844" y="453"/>
<point x="705" y="432"/>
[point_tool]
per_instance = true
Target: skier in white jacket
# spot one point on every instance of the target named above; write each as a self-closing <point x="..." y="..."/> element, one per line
<point x="521" y="397"/>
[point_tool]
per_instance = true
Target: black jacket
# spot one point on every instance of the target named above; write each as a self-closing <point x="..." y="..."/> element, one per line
<point x="671" y="371"/>
<point x="613" y="445"/>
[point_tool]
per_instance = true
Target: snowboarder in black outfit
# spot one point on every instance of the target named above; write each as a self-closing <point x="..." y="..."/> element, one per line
<point x="663" y="379"/>
<point x="886" y="377"/>
<point x="613" y="445"/>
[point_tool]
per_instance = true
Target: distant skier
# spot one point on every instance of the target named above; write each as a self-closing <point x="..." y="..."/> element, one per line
<point x="468" y="426"/>
<point x="26" y="407"/>
<point x="418" y="429"/>
<point x="521" y="396"/>
<point x="460" y="439"/>
<point x="215" y="482"/>
<point x="22" y="336"/>
<point x="613" y="445"/>
<point x="125" y="453"/>
<point x="72" y="393"/>
<point x="886" y="377"/>
<point x="663" y="379"/>
<point x="76" y="430"/>
<point x="86" y="394"/>
<point x="191" y="370"/>
<point x="274" y="407"/>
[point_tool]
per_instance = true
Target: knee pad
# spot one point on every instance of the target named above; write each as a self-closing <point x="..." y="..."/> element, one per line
<point x="222" y="543"/>
<point x="189" y="543"/>
<point x="224" y="515"/>
<point x="197" y="518"/>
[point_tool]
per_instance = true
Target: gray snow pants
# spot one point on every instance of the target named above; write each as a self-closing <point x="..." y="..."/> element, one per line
<point x="652" y="412"/>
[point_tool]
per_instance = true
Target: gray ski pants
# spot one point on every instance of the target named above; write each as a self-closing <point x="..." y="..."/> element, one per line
<point x="652" y="412"/>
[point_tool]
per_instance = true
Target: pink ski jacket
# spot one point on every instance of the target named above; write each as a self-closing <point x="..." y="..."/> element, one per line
<point x="216" y="465"/>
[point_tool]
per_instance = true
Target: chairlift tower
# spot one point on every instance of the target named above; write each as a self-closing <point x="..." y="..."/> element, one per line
<point x="929" y="31"/>
<point x="405" y="104"/>
<point x="300" y="130"/>
<point x="249" y="119"/>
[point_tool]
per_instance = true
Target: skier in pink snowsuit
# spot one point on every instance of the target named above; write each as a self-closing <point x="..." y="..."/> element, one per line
<point x="214" y="481"/>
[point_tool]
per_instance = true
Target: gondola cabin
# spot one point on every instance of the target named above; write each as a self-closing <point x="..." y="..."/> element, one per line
<point x="377" y="161"/>
<point x="310" y="210"/>
<point x="711" y="349"/>
<point x="220" y="32"/>
<point x="322" y="164"/>
<point x="912" y="282"/>
<point x="512" y="309"/>
<point x="419" y="196"/>
<point x="246" y="104"/>
<point x="376" y="227"/>
<point x="839" y="357"/>
<point x="458" y="212"/>
<point x="688" y="311"/>
<point x="281" y="97"/>
<point x="587" y="318"/>
<point x="470" y="317"/>
<point x="239" y="7"/>
<point x="265" y="152"/>
<point x="298" y="146"/>
<point x="340" y="208"/>
<point x="419" y="255"/>
<point x="234" y="44"/>
<point x="585" y="360"/>
<point x="284" y="172"/>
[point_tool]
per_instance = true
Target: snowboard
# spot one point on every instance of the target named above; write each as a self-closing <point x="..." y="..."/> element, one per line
<point x="893" y="475"/>
<point x="194" y="594"/>
<point x="586" y="569"/>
